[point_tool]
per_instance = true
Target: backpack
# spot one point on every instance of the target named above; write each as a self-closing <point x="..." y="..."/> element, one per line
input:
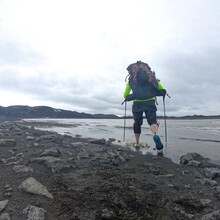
<point x="143" y="82"/>
<point x="140" y="72"/>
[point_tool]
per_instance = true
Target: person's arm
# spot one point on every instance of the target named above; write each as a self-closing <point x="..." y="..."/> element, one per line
<point x="127" y="95"/>
<point x="161" y="91"/>
<point x="160" y="86"/>
<point x="127" y="90"/>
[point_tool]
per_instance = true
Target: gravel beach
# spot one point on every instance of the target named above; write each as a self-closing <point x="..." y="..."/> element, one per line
<point x="45" y="175"/>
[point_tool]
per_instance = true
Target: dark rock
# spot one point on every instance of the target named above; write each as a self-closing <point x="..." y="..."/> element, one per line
<point x="51" y="152"/>
<point x="185" y="159"/>
<point x="34" y="212"/>
<point x="194" y="163"/>
<point x="212" y="172"/>
<point x="107" y="214"/>
<point x="54" y="164"/>
<point x="98" y="141"/>
<point x="3" y="204"/>
<point x="206" y="181"/>
<point x="7" y="143"/>
<point x="212" y="215"/>
<point x="197" y="160"/>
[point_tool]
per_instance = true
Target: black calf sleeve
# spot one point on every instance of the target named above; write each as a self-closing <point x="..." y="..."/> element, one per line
<point x="137" y="128"/>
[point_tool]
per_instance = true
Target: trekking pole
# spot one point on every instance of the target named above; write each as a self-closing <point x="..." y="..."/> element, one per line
<point x="165" y="121"/>
<point x="124" y="119"/>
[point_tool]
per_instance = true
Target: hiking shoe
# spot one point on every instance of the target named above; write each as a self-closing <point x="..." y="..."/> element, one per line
<point x="159" y="145"/>
<point x="160" y="153"/>
<point x="146" y="146"/>
<point x="136" y="146"/>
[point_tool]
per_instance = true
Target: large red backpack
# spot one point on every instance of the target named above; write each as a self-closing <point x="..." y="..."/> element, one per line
<point x="141" y="77"/>
<point x="141" y="73"/>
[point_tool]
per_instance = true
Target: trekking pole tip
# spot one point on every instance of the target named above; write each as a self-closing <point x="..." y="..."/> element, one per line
<point x="123" y="102"/>
<point x="168" y="95"/>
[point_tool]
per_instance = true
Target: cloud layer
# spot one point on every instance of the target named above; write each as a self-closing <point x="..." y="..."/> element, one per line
<point x="74" y="54"/>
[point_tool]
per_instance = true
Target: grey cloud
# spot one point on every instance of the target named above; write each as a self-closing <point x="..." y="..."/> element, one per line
<point x="201" y="66"/>
<point x="192" y="79"/>
<point x="15" y="81"/>
<point x="17" y="54"/>
<point x="91" y="96"/>
<point x="92" y="103"/>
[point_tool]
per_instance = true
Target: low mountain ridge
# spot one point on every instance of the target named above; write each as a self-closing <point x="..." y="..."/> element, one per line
<point x="25" y="111"/>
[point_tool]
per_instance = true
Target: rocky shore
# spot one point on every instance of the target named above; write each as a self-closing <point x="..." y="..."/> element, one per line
<point x="45" y="175"/>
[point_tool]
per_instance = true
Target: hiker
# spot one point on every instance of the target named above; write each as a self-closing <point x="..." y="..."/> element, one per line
<point x="145" y="87"/>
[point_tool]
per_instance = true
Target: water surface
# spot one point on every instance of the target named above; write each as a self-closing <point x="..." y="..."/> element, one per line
<point x="183" y="136"/>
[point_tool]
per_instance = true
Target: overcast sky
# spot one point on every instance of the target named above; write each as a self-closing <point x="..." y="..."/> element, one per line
<point x="73" y="55"/>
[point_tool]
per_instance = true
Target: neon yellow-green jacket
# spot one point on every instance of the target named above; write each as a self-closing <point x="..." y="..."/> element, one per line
<point x="128" y="90"/>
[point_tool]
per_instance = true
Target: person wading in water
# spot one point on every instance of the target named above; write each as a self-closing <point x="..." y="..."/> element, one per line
<point x="145" y="87"/>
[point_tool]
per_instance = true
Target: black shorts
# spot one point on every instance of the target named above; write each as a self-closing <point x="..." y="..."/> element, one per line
<point x="149" y="109"/>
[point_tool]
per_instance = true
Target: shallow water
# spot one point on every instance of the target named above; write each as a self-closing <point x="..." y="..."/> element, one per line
<point x="183" y="136"/>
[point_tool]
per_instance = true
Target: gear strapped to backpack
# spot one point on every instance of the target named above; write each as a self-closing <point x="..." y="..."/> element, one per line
<point x="143" y="82"/>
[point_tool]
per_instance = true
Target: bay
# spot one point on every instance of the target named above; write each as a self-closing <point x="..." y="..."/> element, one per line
<point x="183" y="136"/>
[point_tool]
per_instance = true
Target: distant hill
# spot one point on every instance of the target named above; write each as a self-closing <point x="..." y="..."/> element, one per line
<point x="189" y="117"/>
<point x="23" y="111"/>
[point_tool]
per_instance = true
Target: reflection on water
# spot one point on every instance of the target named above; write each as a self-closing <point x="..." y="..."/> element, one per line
<point x="183" y="136"/>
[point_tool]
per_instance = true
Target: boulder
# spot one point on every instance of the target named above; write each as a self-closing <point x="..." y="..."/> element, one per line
<point x="31" y="185"/>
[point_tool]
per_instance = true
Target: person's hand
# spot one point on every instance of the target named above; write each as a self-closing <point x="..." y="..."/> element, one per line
<point x="129" y="97"/>
<point x="161" y="92"/>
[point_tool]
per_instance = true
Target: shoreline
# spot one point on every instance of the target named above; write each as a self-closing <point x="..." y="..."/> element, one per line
<point x="180" y="141"/>
<point x="87" y="178"/>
